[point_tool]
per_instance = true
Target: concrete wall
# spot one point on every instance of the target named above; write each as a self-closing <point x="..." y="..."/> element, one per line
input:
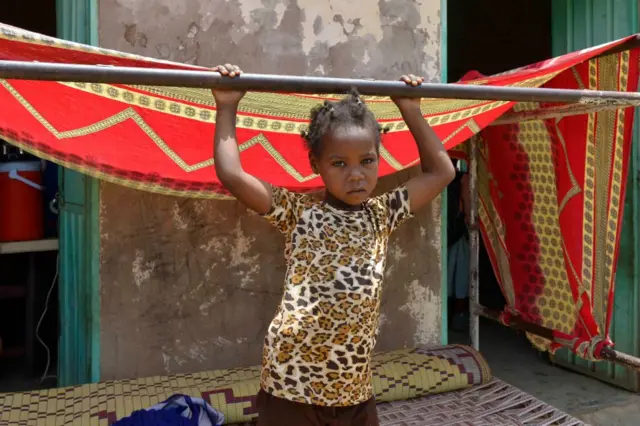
<point x="188" y="285"/>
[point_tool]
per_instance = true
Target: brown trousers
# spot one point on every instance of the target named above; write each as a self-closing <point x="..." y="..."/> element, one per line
<point x="274" y="411"/>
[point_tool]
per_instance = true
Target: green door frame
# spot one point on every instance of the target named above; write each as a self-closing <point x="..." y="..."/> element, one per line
<point x="79" y="282"/>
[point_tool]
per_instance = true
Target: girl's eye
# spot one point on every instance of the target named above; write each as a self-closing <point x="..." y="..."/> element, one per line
<point x="368" y="161"/>
<point x="338" y="164"/>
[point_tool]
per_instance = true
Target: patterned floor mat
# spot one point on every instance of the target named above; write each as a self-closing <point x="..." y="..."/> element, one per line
<point x="398" y="375"/>
<point x="494" y="404"/>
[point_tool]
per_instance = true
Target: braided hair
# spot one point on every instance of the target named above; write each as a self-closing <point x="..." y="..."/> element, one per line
<point x="349" y="111"/>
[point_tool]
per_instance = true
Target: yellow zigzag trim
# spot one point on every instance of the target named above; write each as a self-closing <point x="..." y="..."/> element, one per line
<point x="264" y="142"/>
<point x="284" y="117"/>
<point x="129" y="183"/>
<point x="260" y="139"/>
<point x="575" y="186"/>
<point x="471" y="125"/>
<point x="131" y="113"/>
<point x="390" y="158"/>
<point x="101" y="125"/>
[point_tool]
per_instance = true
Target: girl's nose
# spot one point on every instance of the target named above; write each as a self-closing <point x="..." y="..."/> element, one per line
<point x="355" y="173"/>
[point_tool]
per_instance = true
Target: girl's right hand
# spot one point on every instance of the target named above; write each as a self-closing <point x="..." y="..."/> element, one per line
<point x="228" y="96"/>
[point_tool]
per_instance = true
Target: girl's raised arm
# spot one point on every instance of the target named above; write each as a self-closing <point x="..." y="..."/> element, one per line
<point x="437" y="169"/>
<point x="251" y="191"/>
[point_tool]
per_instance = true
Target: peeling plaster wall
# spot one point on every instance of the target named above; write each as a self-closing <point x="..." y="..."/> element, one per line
<point x="188" y="285"/>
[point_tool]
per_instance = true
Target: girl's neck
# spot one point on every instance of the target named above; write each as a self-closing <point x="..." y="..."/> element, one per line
<point x="339" y="204"/>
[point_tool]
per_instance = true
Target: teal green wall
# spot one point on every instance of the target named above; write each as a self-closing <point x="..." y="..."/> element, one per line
<point x="577" y="24"/>
<point x="79" y="345"/>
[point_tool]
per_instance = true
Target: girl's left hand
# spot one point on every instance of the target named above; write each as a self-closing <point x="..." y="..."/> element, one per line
<point x="404" y="102"/>
<point x="225" y="97"/>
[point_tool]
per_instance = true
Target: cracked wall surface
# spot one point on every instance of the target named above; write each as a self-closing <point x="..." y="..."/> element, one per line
<point x="189" y="285"/>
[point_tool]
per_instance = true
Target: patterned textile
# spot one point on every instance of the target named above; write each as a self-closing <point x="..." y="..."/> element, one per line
<point x="551" y="198"/>
<point x="318" y="346"/>
<point x="551" y="188"/>
<point x="161" y="138"/>
<point x="493" y="404"/>
<point x="397" y="375"/>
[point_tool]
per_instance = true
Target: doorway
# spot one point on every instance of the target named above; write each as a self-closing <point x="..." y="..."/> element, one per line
<point x="490" y="37"/>
<point x="29" y="315"/>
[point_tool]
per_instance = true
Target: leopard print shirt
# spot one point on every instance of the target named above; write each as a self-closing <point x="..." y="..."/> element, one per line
<point x="318" y="346"/>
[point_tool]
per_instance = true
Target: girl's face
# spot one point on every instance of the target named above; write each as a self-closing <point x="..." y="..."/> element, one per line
<point x="348" y="164"/>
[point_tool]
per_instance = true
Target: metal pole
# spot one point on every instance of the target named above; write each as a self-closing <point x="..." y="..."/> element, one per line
<point x="474" y="245"/>
<point x="517" y="323"/>
<point x="293" y="84"/>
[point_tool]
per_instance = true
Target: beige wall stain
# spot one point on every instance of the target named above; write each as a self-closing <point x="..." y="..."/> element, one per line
<point x="177" y="217"/>
<point x="424" y="308"/>
<point x="331" y="22"/>
<point x="142" y="269"/>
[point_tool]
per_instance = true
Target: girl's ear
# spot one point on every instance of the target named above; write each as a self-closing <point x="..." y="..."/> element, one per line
<point x="313" y="162"/>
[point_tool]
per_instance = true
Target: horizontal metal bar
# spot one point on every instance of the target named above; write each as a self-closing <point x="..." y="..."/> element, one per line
<point x="515" y="322"/>
<point x="293" y="84"/>
<point x="518" y="323"/>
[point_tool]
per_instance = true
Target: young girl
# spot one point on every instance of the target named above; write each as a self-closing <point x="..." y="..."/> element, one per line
<point x="316" y="360"/>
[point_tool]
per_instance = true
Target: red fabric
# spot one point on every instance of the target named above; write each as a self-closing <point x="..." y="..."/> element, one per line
<point x="561" y="211"/>
<point x="161" y="139"/>
<point x="124" y="153"/>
